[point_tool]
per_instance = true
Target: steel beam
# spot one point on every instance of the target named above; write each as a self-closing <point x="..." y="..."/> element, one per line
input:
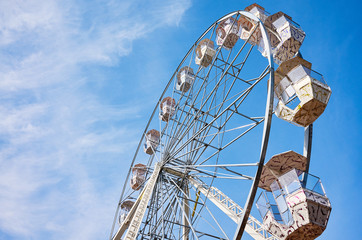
<point x="253" y="227"/>
<point x="139" y="212"/>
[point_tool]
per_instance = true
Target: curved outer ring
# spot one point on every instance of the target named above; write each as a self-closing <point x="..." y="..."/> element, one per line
<point x="266" y="129"/>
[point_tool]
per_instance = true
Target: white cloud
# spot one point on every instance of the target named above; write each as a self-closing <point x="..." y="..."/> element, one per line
<point x="58" y="139"/>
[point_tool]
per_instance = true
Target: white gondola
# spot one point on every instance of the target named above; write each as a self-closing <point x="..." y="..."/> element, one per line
<point x="297" y="206"/>
<point x="167" y="109"/>
<point x="125" y="209"/>
<point x="205" y="52"/>
<point x="295" y="79"/>
<point x="249" y="28"/>
<point x="258" y="11"/>
<point x="227" y="33"/>
<point x="273" y="35"/>
<point x="152" y="140"/>
<point x="285" y="35"/>
<point x="185" y="79"/>
<point x="291" y="35"/>
<point x="138" y="176"/>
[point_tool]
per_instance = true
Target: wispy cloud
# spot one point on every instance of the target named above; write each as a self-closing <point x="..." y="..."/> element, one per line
<point x="58" y="139"/>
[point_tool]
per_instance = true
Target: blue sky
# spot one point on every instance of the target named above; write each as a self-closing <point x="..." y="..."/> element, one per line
<point x="79" y="79"/>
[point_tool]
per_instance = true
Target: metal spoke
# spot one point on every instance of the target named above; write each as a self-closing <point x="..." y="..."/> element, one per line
<point x="207" y="119"/>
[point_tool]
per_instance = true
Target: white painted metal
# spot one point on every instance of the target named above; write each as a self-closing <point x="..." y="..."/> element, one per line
<point x="253" y="227"/>
<point x="140" y="208"/>
<point x="186" y="208"/>
<point x="200" y="121"/>
<point x="123" y="227"/>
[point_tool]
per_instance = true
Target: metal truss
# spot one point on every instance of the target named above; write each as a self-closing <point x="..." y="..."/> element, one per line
<point x="254" y="228"/>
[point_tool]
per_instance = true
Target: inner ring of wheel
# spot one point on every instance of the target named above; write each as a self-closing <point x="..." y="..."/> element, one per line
<point x="267" y="121"/>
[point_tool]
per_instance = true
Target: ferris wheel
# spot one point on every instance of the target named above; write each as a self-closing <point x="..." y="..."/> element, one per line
<point x="200" y="160"/>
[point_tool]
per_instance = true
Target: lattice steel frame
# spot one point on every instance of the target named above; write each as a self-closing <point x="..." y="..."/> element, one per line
<point x="174" y="172"/>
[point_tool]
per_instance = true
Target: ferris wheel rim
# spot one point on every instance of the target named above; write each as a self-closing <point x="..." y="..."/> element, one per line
<point x="268" y="110"/>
